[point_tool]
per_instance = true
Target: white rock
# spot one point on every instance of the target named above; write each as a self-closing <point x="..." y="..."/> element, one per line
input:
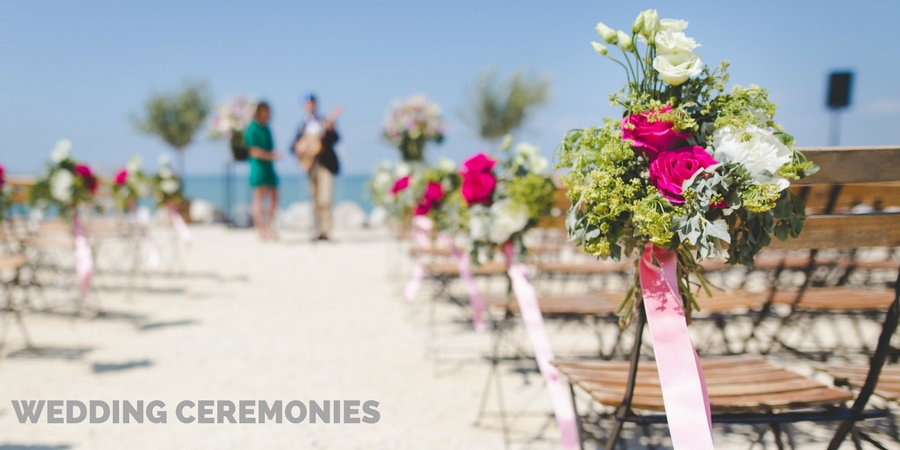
<point x="202" y="211"/>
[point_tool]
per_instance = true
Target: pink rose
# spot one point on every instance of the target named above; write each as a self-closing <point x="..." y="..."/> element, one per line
<point x="433" y="193"/>
<point x="478" y="181"/>
<point x="121" y="177"/>
<point x="90" y="181"/>
<point x="652" y="136"/>
<point x="479" y="163"/>
<point x="671" y="169"/>
<point x="400" y="185"/>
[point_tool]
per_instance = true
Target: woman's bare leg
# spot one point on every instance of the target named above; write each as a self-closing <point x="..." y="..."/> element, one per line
<point x="257" y="211"/>
<point x="273" y="205"/>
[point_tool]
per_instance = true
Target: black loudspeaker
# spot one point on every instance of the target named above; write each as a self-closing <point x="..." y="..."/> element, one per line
<point x="839" y="84"/>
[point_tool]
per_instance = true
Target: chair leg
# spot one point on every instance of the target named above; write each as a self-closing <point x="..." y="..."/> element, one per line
<point x="776" y="431"/>
<point x="579" y="424"/>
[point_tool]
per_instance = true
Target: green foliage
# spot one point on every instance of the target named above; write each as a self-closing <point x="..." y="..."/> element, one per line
<point x="500" y="106"/>
<point x="176" y="116"/>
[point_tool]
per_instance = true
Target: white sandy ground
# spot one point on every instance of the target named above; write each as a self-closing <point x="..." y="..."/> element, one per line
<point x="272" y="321"/>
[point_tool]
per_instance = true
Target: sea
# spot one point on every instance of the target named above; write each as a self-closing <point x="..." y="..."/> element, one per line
<point x="291" y="189"/>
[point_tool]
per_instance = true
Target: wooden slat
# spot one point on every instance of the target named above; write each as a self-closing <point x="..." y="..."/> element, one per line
<point x="839" y="299"/>
<point x="876" y="195"/>
<point x="845" y="232"/>
<point x="842" y="165"/>
<point x="450" y="269"/>
<point x="582" y="268"/>
<point x="584" y="304"/>
<point x="12" y="262"/>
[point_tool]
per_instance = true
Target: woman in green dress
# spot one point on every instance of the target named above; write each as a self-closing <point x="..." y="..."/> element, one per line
<point x="263" y="179"/>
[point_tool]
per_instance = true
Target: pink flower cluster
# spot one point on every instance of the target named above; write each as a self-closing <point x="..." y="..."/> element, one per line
<point x="672" y="161"/>
<point x="478" y="180"/>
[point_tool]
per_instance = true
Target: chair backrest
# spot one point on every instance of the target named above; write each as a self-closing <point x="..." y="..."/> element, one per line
<point x="866" y="169"/>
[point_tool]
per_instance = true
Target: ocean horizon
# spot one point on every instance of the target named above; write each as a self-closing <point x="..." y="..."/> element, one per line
<point x="292" y="188"/>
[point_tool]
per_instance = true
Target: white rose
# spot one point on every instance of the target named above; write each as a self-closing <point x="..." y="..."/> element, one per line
<point x="507" y="218"/>
<point x="169" y="186"/>
<point x="669" y="42"/>
<point x="607" y="34"/>
<point x="61" y="151"/>
<point x="672" y="25"/>
<point x="676" y="68"/>
<point x="762" y="155"/>
<point x="61" y="185"/>
<point x="446" y="165"/>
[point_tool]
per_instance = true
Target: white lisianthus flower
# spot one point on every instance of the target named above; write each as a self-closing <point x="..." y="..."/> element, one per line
<point x="61" y="151"/>
<point x="381" y="182"/>
<point x="670" y="42"/>
<point x="61" y="185"/>
<point x="672" y="25"/>
<point x="169" y="186"/>
<point x="607" y="34"/>
<point x="165" y="172"/>
<point x="163" y="159"/>
<point x="529" y="157"/>
<point x="507" y="217"/>
<point x="600" y="48"/>
<point x="479" y="222"/>
<point x="403" y="169"/>
<point x="676" y="68"/>
<point x="651" y="23"/>
<point x="625" y="42"/>
<point x="506" y="143"/>
<point x="446" y="165"/>
<point x="762" y="155"/>
<point x="134" y="164"/>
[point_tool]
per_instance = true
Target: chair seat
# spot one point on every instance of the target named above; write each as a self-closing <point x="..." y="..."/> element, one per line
<point x="583" y="304"/>
<point x="736" y="384"/>
<point x="12" y="262"/>
<point x="582" y="268"/>
<point x="839" y="299"/>
<point x="888" y="386"/>
<point x="450" y="269"/>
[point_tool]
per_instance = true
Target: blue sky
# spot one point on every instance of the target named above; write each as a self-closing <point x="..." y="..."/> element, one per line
<point x="78" y="69"/>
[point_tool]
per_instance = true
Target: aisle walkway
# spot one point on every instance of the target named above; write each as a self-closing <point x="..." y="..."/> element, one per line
<point x="280" y="321"/>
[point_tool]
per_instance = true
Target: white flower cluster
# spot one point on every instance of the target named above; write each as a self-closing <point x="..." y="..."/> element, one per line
<point x="168" y="183"/>
<point x="675" y="58"/>
<point x="232" y="115"/>
<point x="529" y="157"/>
<point x="415" y="117"/>
<point x="62" y="180"/>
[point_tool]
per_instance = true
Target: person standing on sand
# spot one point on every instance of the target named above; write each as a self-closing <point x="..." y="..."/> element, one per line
<point x="263" y="179"/>
<point x="314" y="146"/>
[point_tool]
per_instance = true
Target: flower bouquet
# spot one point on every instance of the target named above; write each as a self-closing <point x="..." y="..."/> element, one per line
<point x="229" y="122"/>
<point x="413" y="189"/>
<point x="166" y="185"/>
<point x="5" y="194"/>
<point x="501" y="200"/>
<point x="410" y="124"/>
<point x="130" y="184"/>
<point x="691" y="168"/>
<point x="67" y="183"/>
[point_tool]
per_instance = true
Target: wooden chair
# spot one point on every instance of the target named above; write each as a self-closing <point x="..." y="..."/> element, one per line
<point x="747" y="388"/>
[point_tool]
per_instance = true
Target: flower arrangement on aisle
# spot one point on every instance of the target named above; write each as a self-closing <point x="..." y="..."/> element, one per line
<point x="692" y="168"/>
<point x="410" y="124"/>
<point x="413" y="189"/>
<point x="66" y="184"/>
<point x="167" y="189"/>
<point x="69" y="185"/>
<point x="229" y="122"/>
<point x="499" y="200"/>
<point x="689" y="169"/>
<point x="130" y="184"/>
<point x="5" y="194"/>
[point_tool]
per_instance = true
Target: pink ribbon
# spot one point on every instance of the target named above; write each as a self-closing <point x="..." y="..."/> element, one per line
<point x="180" y="227"/>
<point x="465" y="272"/>
<point x="680" y="375"/>
<point x="84" y="260"/>
<point x="560" y="396"/>
<point x="419" y="228"/>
